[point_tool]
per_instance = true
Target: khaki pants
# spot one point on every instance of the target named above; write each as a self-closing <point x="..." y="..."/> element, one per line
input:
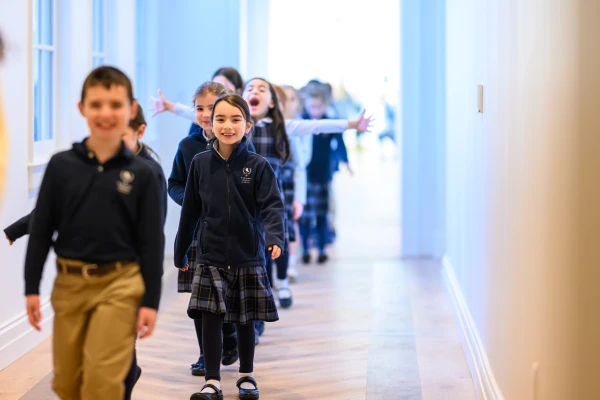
<point x="94" y="332"/>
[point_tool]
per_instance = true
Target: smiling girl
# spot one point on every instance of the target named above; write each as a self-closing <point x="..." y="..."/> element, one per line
<point x="230" y="283"/>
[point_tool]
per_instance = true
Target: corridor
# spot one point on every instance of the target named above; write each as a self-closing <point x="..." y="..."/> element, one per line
<point x="366" y="325"/>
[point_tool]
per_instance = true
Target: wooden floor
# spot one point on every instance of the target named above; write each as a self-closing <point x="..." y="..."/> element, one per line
<point x="366" y="325"/>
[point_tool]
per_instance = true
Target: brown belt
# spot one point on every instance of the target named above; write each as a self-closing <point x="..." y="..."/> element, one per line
<point x="88" y="270"/>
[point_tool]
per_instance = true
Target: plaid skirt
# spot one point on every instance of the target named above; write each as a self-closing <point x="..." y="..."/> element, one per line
<point x="242" y="295"/>
<point x="317" y="201"/>
<point x="185" y="278"/>
<point x="287" y="183"/>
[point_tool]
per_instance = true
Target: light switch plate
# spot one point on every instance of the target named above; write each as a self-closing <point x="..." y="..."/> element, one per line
<point x="480" y="99"/>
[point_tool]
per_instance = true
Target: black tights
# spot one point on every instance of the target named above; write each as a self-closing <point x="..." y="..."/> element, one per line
<point x="212" y="343"/>
<point x="229" y="338"/>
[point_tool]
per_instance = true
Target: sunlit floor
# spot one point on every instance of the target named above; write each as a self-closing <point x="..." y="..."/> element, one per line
<point x="366" y="325"/>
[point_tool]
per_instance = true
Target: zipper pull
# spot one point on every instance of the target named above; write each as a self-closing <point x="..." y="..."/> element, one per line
<point x="227" y="167"/>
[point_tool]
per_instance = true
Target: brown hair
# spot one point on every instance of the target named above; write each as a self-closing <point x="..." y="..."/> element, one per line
<point x="107" y="77"/>
<point x="317" y="92"/>
<point x="135" y="124"/>
<point x="235" y="100"/>
<point x="139" y="120"/>
<point x="215" y="88"/>
<point x="282" y="142"/>
<point x="280" y="94"/>
<point x="232" y="76"/>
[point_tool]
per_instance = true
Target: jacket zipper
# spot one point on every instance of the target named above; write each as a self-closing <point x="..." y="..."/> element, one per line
<point x="228" y="222"/>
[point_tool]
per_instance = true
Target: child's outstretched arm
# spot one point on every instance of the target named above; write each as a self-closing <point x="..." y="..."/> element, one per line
<point x="18" y="229"/>
<point x="299" y="176"/>
<point x="161" y="105"/>
<point x="270" y="205"/>
<point x="302" y="127"/>
<point x="190" y="214"/>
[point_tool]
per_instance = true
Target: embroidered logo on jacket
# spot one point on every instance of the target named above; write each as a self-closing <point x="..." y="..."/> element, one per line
<point x="124" y="185"/>
<point x="246" y="178"/>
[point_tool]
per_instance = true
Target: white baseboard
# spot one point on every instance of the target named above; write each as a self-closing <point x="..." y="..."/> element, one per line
<point x="18" y="337"/>
<point x="483" y="376"/>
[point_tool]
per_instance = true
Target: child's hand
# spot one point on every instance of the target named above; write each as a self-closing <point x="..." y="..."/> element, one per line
<point x="161" y="104"/>
<point x="275" y="251"/>
<point x="361" y="124"/>
<point x="187" y="266"/>
<point x="297" y="210"/>
<point x="10" y="242"/>
<point x="147" y="320"/>
<point x="33" y="311"/>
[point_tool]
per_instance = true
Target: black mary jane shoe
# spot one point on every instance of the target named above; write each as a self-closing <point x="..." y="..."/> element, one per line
<point x="208" y="396"/>
<point x="198" y="368"/>
<point x="230" y="356"/>
<point x="247" y="394"/>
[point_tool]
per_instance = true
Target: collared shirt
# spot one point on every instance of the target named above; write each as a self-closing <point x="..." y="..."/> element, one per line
<point x="102" y="213"/>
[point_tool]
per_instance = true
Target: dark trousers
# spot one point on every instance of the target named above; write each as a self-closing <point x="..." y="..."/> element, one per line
<point x="131" y="377"/>
<point x="281" y="264"/>
<point x="305" y="232"/>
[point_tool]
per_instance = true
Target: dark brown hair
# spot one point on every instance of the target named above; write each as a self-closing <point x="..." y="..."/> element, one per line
<point x="107" y="77"/>
<point x="282" y="142"/>
<point x="235" y="100"/>
<point x="139" y="120"/>
<point x="135" y="124"/>
<point x="232" y="76"/>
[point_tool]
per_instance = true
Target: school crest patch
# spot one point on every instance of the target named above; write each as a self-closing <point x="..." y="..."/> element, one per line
<point x="124" y="184"/>
<point x="246" y="178"/>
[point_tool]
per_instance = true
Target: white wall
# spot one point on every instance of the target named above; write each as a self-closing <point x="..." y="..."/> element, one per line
<point x="73" y="64"/>
<point x="197" y="38"/>
<point x="423" y="128"/>
<point x="514" y="187"/>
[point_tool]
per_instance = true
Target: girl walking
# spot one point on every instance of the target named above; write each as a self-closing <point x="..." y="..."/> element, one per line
<point x="233" y="195"/>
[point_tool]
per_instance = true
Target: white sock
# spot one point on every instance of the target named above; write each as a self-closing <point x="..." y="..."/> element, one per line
<point x="293" y="260"/>
<point x="247" y="385"/>
<point x="211" y="382"/>
<point x="283" y="284"/>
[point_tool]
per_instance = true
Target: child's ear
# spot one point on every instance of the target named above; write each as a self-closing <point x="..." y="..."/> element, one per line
<point x="140" y="132"/>
<point x="80" y="107"/>
<point x="134" y="109"/>
<point x="248" y="127"/>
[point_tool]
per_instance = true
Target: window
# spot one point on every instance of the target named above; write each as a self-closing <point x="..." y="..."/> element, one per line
<point x="98" y="32"/>
<point x="44" y="71"/>
<point x="141" y="18"/>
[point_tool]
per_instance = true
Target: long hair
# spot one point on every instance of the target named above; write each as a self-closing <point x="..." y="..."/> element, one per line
<point x="232" y="76"/>
<point x="135" y="124"/>
<point x="282" y="142"/>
